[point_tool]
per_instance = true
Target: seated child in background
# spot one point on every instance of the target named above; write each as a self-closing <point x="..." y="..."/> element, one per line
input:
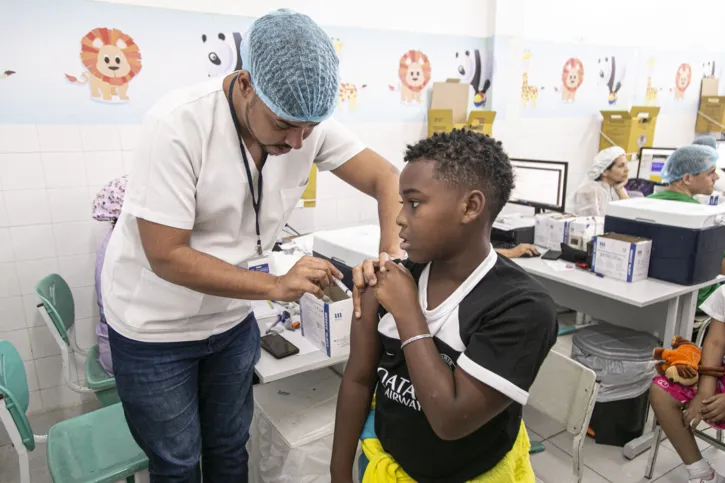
<point x="106" y="207"/>
<point x="452" y="338"/>
<point x="707" y="403"/>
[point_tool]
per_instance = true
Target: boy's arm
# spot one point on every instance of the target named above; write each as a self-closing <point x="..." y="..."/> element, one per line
<point x="356" y="390"/>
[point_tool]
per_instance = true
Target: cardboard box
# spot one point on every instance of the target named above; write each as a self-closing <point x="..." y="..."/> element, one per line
<point x="711" y="114"/>
<point x="327" y="324"/>
<point x="630" y="130"/>
<point x="710" y="87"/>
<point x="622" y="257"/>
<point x="449" y="110"/>
<point x="558" y="227"/>
<point x="583" y="229"/>
<point x="541" y="229"/>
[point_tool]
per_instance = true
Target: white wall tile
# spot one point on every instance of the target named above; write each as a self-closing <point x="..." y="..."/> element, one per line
<point x="69" y="204"/>
<point x="75" y="238"/>
<point x="12" y="313"/>
<point x="100" y="138"/>
<point x="85" y="302"/>
<point x="18" y="139"/>
<point x="36" y="403"/>
<point x="59" y="396"/>
<point x="9" y="280"/>
<point x="103" y="166"/>
<point x="129" y="136"/>
<point x="50" y="372"/>
<point x="56" y="138"/>
<point x="30" y="307"/>
<point x="128" y="158"/>
<point x="78" y="270"/>
<point x="27" y="207"/>
<point x="348" y="209"/>
<point x="21" y="341"/>
<point x="85" y="330"/>
<point x="6" y="246"/>
<point x="42" y="342"/>
<point x="21" y="171"/>
<point x="3" y="212"/>
<point x="32" y="271"/>
<point x="33" y="242"/>
<point x="100" y="230"/>
<point x="32" y="375"/>
<point x="64" y="170"/>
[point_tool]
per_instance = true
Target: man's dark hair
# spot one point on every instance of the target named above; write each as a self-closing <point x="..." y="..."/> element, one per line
<point x="469" y="160"/>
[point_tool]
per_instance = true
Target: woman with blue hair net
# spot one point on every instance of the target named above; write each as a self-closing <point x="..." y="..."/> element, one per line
<point x="605" y="183"/>
<point x="218" y="170"/>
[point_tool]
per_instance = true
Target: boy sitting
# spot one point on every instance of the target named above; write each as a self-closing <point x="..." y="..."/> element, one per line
<point x="707" y="403"/>
<point x="452" y="338"/>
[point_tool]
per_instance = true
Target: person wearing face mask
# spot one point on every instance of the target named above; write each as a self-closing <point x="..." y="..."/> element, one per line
<point x="605" y="183"/>
<point x="218" y="170"/>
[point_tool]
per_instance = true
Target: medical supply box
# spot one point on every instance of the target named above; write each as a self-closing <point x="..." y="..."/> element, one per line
<point x="688" y="239"/>
<point x="621" y="257"/>
<point x="326" y="322"/>
<point x="583" y="229"/>
<point x="347" y="247"/>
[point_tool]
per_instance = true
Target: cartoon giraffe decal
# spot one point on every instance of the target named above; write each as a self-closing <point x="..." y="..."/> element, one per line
<point x="529" y="93"/>
<point x="347" y="92"/>
<point x="650" y="96"/>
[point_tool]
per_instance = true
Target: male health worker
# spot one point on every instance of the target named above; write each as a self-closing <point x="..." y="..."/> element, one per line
<point x="219" y="169"/>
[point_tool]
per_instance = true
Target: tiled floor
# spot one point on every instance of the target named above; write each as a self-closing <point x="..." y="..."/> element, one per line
<point x="554" y="465"/>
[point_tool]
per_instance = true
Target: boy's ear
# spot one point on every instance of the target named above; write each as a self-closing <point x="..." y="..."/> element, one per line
<point x="474" y="203"/>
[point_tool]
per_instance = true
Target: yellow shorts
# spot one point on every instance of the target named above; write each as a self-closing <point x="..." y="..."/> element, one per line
<point x="515" y="467"/>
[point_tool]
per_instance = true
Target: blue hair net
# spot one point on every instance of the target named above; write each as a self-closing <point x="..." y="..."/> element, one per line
<point x="692" y="159"/>
<point x="706" y="141"/>
<point x="293" y="66"/>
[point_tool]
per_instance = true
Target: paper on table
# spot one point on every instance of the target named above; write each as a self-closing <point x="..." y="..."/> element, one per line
<point x="264" y="309"/>
<point x="559" y="265"/>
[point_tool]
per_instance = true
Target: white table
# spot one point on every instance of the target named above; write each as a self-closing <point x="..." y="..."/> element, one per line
<point x="269" y="369"/>
<point x="643" y="305"/>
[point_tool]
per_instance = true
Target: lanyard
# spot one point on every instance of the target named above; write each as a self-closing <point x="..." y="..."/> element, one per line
<point x="256" y="203"/>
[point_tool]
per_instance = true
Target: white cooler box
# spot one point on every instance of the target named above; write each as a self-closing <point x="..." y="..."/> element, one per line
<point x="292" y="429"/>
<point x="348" y="247"/>
<point x="688" y="239"/>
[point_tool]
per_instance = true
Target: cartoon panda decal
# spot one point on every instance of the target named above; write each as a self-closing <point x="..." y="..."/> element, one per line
<point x="222" y="53"/>
<point x="610" y="74"/>
<point x="477" y="70"/>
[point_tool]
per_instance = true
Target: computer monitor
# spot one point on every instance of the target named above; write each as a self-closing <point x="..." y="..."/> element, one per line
<point x="540" y="184"/>
<point x="651" y="162"/>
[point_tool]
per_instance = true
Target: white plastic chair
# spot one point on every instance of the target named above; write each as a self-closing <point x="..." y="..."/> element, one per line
<point x="566" y="391"/>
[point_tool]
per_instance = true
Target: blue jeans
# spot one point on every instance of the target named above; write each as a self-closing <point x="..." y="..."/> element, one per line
<point x="190" y="401"/>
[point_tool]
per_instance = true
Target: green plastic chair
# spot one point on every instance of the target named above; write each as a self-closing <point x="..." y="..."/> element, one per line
<point x="96" y="447"/>
<point x="58" y="311"/>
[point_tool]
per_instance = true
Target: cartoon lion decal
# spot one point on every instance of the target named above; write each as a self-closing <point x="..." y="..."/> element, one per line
<point x="571" y="77"/>
<point x="682" y="80"/>
<point x="414" y="73"/>
<point x="112" y="59"/>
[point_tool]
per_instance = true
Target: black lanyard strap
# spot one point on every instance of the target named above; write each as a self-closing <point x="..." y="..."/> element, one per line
<point x="256" y="202"/>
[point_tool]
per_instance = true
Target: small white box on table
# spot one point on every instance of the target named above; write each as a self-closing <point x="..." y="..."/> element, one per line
<point x="622" y="257"/>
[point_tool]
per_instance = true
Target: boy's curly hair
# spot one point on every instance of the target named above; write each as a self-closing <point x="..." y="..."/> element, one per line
<point x="469" y="160"/>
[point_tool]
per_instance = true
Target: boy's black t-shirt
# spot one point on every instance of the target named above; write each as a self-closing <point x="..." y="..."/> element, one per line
<point x="498" y="326"/>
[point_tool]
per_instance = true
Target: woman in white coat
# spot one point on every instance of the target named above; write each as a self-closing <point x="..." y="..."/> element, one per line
<point x="605" y="183"/>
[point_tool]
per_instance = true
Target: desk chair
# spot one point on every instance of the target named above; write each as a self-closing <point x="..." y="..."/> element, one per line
<point x="58" y="312"/>
<point x="566" y="391"/>
<point x="657" y="429"/>
<point x="96" y="447"/>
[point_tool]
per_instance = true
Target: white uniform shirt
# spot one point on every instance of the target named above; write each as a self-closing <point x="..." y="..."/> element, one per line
<point x="592" y="199"/>
<point x="189" y="174"/>
<point x="714" y="305"/>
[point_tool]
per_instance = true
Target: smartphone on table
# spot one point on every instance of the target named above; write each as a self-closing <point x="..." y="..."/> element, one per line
<point x="278" y="346"/>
